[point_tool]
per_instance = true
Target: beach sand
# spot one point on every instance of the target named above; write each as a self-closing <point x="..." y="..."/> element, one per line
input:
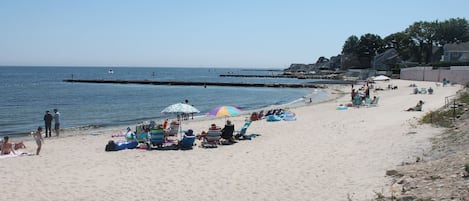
<point x="327" y="154"/>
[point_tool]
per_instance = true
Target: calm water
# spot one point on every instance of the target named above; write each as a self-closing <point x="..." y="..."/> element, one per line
<point x="27" y="92"/>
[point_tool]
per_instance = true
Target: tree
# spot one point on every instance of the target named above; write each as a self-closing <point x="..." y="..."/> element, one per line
<point x="453" y="31"/>
<point x="423" y="36"/>
<point x="401" y="42"/>
<point x="350" y="45"/>
<point x="368" y="46"/>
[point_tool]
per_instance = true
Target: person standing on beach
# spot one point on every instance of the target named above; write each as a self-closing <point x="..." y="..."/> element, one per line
<point x="48" y="123"/>
<point x="56" y="122"/>
<point x="39" y="140"/>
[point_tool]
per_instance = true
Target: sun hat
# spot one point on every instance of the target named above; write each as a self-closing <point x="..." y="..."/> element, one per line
<point x="189" y="132"/>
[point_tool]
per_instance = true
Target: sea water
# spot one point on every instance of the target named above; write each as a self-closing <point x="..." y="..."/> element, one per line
<point x="27" y="92"/>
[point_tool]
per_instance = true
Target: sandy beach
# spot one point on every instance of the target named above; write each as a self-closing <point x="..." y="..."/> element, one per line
<point x="327" y="154"/>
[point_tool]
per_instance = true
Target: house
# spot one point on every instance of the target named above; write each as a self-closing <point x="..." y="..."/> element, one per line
<point x="456" y="52"/>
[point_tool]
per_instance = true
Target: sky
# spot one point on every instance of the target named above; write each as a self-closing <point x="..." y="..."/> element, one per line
<point x="203" y="33"/>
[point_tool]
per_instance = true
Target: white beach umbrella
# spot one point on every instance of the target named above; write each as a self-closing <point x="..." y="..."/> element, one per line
<point x="180" y="108"/>
<point x="381" y="78"/>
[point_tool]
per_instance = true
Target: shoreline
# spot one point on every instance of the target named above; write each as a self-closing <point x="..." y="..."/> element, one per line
<point x="84" y="128"/>
<point x="327" y="154"/>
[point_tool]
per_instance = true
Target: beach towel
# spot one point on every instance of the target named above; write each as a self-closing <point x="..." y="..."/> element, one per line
<point x="18" y="153"/>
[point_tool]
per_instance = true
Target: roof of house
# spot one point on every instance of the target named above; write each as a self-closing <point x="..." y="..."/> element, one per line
<point x="457" y="47"/>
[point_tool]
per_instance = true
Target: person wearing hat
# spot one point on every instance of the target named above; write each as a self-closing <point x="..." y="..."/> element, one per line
<point x="189" y="132"/>
<point x="129" y="136"/>
<point x="48" y="123"/>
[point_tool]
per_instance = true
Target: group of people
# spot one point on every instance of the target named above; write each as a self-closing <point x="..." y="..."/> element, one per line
<point x="8" y="147"/>
<point x="358" y="96"/>
<point x="227" y="132"/>
<point x="48" y="123"/>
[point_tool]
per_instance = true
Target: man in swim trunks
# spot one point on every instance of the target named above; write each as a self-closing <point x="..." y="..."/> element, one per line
<point x="7" y="147"/>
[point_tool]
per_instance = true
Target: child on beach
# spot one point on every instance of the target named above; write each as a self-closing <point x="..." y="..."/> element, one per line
<point x="39" y="140"/>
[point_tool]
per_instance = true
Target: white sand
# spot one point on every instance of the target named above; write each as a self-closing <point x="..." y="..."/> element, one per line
<point x="326" y="154"/>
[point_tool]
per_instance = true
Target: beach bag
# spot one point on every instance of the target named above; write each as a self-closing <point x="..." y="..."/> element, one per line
<point x="111" y="146"/>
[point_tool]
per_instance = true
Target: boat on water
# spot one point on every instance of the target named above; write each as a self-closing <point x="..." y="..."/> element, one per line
<point x="111" y="71"/>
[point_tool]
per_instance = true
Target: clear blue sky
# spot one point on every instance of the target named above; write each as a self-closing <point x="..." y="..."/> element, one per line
<point x="204" y="33"/>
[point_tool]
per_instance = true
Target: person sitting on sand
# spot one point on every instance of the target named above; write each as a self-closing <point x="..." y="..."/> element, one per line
<point x="7" y="147"/>
<point x="202" y="135"/>
<point x="418" y="107"/>
<point x="227" y="132"/>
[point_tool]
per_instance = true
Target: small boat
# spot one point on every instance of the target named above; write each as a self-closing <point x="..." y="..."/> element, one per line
<point x="111" y="71"/>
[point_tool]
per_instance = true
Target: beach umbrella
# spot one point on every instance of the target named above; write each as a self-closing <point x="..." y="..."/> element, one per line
<point x="381" y="78"/>
<point x="180" y="108"/>
<point x="225" y="111"/>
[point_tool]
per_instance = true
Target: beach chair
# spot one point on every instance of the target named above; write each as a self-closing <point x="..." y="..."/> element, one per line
<point x="157" y="138"/>
<point x="187" y="142"/>
<point x="141" y="136"/>
<point x="357" y="101"/>
<point x="241" y="134"/>
<point x="212" y="140"/>
<point x="430" y="91"/>
<point x="172" y="132"/>
<point x="423" y="91"/>
<point x="368" y="101"/>
<point x="374" y="103"/>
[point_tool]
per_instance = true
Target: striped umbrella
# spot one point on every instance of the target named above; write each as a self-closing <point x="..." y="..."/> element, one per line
<point x="225" y="111"/>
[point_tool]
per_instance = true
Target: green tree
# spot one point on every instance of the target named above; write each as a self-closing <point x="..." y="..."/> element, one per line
<point x="453" y="31"/>
<point x="424" y="37"/>
<point x="368" y="46"/>
<point x="350" y="45"/>
<point x="401" y="42"/>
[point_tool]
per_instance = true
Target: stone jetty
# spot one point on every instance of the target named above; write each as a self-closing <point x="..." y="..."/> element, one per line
<point x="205" y="84"/>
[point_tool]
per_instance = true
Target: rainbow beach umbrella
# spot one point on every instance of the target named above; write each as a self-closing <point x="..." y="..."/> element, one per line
<point x="225" y="111"/>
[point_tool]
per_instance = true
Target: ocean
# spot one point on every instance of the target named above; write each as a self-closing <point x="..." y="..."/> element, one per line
<point x="27" y="92"/>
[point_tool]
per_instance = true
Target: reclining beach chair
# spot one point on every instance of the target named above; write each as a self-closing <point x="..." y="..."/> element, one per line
<point x="212" y="140"/>
<point x="241" y="134"/>
<point x="172" y="131"/>
<point x="423" y="91"/>
<point x="141" y="134"/>
<point x="157" y="138"/>
<point x="368" y="101"/>
<point x="357" y="101"/>
<point x="374" y="103"/>
<point x="187" y="142"/>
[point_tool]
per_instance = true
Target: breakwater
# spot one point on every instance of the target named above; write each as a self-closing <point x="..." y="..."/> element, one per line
<point x="297" y="76"/>
<point x="205" y="84"/>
